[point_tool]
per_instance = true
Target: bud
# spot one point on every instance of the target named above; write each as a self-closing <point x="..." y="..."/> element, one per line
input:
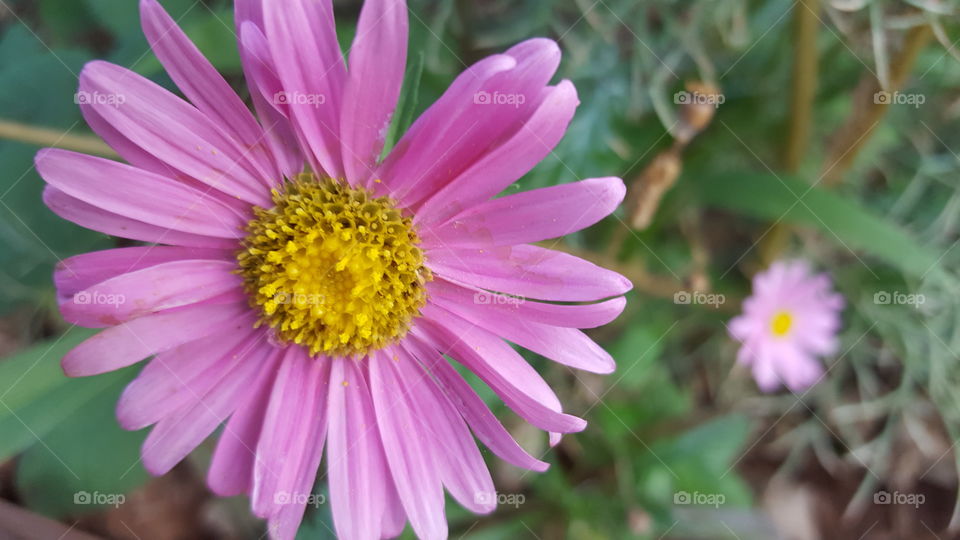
<point x="650" y="187"/>
<point x="696" y="115"/>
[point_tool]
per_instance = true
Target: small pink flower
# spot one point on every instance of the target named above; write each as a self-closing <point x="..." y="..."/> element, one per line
<point x="307" y="294"/>
<point x="791" y="319"/>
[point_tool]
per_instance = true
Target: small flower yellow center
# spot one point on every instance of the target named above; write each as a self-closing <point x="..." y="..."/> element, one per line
<point x="781" y="323"/>
<point x="333" y="268"/>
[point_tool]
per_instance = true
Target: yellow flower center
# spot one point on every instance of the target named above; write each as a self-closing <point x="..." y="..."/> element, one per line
<point x="332" y="268"/>
<point x="781" y="323"/>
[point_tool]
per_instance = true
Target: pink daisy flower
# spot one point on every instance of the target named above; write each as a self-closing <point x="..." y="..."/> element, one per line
<point x="791" y="319"/>
<point x="305" y="292"/>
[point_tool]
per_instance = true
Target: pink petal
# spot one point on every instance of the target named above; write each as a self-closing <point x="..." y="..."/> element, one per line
<point x="170" y="204"/>
<point x="530" y="272"/>
<point x="79" y="272"/>
<point x="257" y="64"/>
<point x="303" y="44"/>
<point x="261" y="70"/>
<point x="455" y="135"/>
<point x="740" y="328"/>
<point x="355" y="461"/>
<point x="484" y="424"/>
<point x="291" y="443"/>
<point x="231" y="469"/>
<point x="248" y="10"/>
<point x="454" y="451"/>
<point x="172" y="130"/>
<point x="764" y="368"/>
<point x="142" y="159"/>
<point x="746" y="355"/>
<point x="413" y="169"/>
<point x="567" y="346"/>
<point x="511" y="308"/>
<point x="133" y="341"/>
<point x="414" y="474"/>
<point x="173" y="378"/>
<point x="514" y="158"/>
<point x="181" y="432"/>
<point x="266" y="85"/>
<point x="205" y="87"/>
<point x="799" y="370"/>
<point x="537" y="61"/>
<point x="130" y="152"/>
<point x="151" y="290"/>
<point x="91" y="217"/>
<point x="379" y="53"/>
<point x="499" y="366"/>
<point x="531" y="216"/>
<point x="394" y="519"/>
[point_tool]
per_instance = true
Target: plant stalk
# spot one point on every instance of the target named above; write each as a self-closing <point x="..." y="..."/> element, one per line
<point x="40" y="136"/>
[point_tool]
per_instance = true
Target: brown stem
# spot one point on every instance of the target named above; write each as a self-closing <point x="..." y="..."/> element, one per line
<point x="870" y="106"/>
<point x="648" y="189"/>
<point x="806" y="22"/>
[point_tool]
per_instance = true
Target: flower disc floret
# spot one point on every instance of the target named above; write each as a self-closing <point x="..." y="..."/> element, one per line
<point x="333" y="268"/>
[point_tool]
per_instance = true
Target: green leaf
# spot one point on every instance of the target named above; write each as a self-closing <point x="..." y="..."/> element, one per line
<point x="640" y="373"/>
<point x="36" y="397"/>
<point x="702" y="460"/>
<point x="716" y="442"/>
<point x="85" y="463"/>
<point x="850" y="225"/>
<point x="34" y="372"/>
<point x="637" y="353"/>
<point x="39" y="88"/>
